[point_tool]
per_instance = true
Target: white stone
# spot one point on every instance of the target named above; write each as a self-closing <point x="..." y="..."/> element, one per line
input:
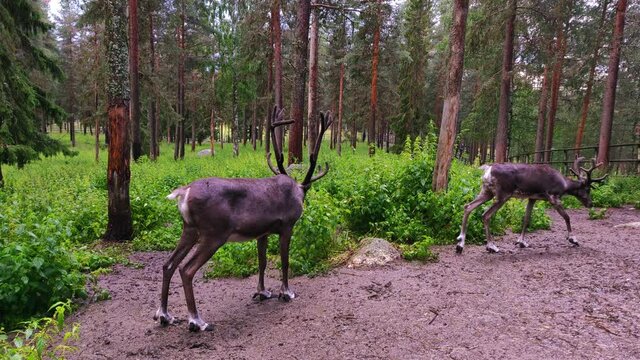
<point x="631" y="225"/>
<point x="372" y="252"/>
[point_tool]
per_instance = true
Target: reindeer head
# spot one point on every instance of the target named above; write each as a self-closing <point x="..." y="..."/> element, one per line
<point x="583" y="192"/>
<point x="277" y="120"/>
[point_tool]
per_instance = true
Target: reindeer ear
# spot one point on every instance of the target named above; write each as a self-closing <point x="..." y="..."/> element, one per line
<point x="280" y="114"/>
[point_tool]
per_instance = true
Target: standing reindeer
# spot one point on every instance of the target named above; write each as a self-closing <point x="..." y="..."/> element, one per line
<point x="216" y="211"/>
<point x="528" y="181"/>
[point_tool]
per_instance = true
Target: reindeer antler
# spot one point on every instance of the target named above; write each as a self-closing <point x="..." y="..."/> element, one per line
<point x="588" y="172"/>
<point x="575" y="169"/>
<point x="325" y="122"/>
<point x="275" y="121"/>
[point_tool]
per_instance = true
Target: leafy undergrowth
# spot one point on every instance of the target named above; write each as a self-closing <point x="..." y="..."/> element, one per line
<point x="44" y="338"/>
<point x="53" y="212"/>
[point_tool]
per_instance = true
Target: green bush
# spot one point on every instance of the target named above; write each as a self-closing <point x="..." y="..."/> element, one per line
<point x="37" y="268"/>
<point x="419" y="250"/>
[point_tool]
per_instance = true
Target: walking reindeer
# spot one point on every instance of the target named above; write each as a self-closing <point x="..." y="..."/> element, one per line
<point x="216" y="211"/>
<point x="528" y="181"/>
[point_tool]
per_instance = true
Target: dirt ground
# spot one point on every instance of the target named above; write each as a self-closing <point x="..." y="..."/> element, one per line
<point x="550" y="301"/>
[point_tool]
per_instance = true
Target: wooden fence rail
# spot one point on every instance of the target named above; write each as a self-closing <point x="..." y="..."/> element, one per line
<point x="624" y="158"/>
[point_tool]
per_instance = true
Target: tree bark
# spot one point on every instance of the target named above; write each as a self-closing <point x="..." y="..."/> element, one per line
<point x="180" y="138"/>
<point x="340" y="110"/>
<point x="277" y="60"/>
<point x="95" y="95"/>
<point x="212" y="119"/>
<point x="119" y="225"/>
<point x="371" y="136"/>
<point x="560" y="49"/>
<point x="254" y="119"/>
<point x="608" y="105"/>
<point x="592" y="71"/>
<point x="502" y="133"/>
<point x="542" y="115"/>
<point x="134" y="76"/>
<point x="451" y="105"/>
<point x="297" y="101"/>
<point x="152" y="117"/>
<point x="312" y="103"/>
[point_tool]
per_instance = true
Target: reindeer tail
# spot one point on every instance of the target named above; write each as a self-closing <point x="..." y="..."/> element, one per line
<point x="182" y="195"/>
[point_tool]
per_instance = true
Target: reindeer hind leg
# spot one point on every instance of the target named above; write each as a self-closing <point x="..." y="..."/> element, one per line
<point x="525" y="223"/>
<point x="187" y="241"/>
<point x="207" y="247"/>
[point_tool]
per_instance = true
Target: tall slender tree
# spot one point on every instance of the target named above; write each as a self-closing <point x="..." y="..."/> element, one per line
<point x="502" y="133"/>
<point x="451" y="106"/>
<point x="134" y="75"/>
<point x="560" y="49"/>
<point x="371" y="136"/>
<point x="119" y="225"/>
<point x="312" y="103"/>
<point x="606" y="120"/>
<point x="592" y="71"/>
<point x="300" y="64"/>
<point x="152" y="111"/>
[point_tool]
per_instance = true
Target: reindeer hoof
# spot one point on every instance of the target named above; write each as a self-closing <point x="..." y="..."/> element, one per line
<point x="165" y="318"/>
<point x="193" y="327"/>
<point x="522" y="244"/>
<point x="459" y="249"/>
<point x="263" y="295"/>
<point x="573" y="241"/>
<point x="492" y="248"/>
<point x="286" y="296"/>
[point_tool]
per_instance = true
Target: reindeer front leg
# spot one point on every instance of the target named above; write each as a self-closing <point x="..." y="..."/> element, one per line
<point x="207" y="247"/>
<point x="555" y="202"/>
<point x="525" y="223"/>
<point x="483" y="197"/>
<point x="486" y="220"/>
<point x="285" y="239"/>
<point x="262" y="293"/>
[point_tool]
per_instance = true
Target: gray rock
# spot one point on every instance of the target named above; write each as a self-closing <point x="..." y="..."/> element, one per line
<point x="205" y="152"/>
<point x="372" y="252"/>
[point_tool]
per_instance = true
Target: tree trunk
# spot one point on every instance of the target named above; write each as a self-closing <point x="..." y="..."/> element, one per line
<point x="134" y="76"/>
<point x="212" y="119"/>
<point x="374" y="74"/>
<point x="560" y="49"/>
<point x="312" y="103"/>
<point x="119" y="225"/>
<point x="612" y="81"/>
<point x="193" y="124"/>
<point x="254" y="125"/>
<point x="180" y="138"/>
<point x="451" y="105"/>
<point x="502" y="133"/>
<point x="95" y="95"/>
<point x="277" y="60"/>
<point x="340" y="109"/>
<point x="297" y="99"/>
<point x="592" y="71"/>
<point x="152" y="117"/>
<point x="542" y="115"/>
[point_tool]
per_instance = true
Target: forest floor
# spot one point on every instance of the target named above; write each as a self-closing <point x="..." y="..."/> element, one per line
<point x="550" y="301"/>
